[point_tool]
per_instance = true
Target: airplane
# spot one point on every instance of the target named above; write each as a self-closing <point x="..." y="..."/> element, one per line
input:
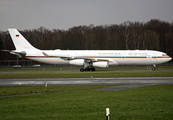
<point x="89" y="59"/>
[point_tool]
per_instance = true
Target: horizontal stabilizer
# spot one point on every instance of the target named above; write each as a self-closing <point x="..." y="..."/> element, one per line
<point x="20" y="54"/>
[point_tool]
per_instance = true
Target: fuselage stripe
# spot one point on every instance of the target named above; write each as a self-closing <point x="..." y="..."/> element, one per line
<point x="93" y="57"/>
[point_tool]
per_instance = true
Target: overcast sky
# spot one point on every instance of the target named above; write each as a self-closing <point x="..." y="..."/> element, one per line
<point x="64" y="14"/>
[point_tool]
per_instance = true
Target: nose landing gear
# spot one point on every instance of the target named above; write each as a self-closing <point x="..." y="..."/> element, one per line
<point x="154" y="67"/>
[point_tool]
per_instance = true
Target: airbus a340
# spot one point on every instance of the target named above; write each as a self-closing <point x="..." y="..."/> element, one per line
<point x="89" y="59"/>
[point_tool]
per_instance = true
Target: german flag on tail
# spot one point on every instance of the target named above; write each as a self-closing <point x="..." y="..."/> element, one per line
<point x="17" y="35"/>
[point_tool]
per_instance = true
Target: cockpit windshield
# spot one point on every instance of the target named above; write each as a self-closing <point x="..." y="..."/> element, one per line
<point x="164" y="55"/>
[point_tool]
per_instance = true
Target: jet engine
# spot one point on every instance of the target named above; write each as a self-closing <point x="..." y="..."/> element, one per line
<point x="100" y="64"/>
<point x="77" y="62"/>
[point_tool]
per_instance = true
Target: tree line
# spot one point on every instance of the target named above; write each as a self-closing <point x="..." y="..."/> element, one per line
<point x="152" y="35"/>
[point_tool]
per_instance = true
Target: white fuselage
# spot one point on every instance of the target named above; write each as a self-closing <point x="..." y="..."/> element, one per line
<point x="114" y="57"/>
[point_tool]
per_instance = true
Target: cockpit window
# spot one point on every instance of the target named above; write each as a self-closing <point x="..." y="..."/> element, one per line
<point x="164" y="55"/>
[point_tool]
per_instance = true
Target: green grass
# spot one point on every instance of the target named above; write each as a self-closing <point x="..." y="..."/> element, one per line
<point x="72" y="72"/>
<point x="85" y="74"/>
<point x="18" y="90"/>
<point x="150" y="102"/>
<point x="77" y="68"/>
<point x="11" y="69"/>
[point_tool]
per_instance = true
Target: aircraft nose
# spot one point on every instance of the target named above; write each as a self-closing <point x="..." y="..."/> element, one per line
<point x="169" y="58"/>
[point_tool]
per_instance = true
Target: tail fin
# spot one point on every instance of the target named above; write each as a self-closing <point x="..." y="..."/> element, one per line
<point x="19" y="41"/>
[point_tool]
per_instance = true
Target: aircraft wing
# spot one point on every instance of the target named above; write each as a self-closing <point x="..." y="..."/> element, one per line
<point x="62" y="57"/>
<point x="87" y="59"/>
<point x="93" y="60"/>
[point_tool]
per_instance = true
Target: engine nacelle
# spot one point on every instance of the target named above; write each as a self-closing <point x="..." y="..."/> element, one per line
<point x="77" y="62"/>
<point x="101" y="64"/>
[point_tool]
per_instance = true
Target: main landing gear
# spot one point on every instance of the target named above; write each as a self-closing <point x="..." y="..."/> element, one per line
<point x="87" y="69"/>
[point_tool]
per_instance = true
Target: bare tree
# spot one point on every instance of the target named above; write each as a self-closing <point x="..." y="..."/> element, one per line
<point x="124" y="30"/>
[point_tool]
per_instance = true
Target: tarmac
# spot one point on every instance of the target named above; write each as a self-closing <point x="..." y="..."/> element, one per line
<point x="124" y="82"/>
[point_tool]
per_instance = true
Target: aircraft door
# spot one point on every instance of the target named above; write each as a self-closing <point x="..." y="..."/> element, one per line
<point x="154" y="55"/>
<point x="123" y="55"/>
<point x="38" y="54"/>
<point x="149" y="58"/>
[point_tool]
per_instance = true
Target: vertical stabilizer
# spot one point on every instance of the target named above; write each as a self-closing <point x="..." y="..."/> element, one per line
<point x="19" y="41"/>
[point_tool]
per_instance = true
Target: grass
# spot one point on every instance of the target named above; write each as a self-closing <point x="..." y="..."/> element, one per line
<point x="11" y="69"/>
<point x="150" y="102"/>
<point x="10" y="75"/>
<point x="72" y="72"/>
<point x="18" y="90"/>
<point x="77" y="68"/>
<point x="82" y="102"/>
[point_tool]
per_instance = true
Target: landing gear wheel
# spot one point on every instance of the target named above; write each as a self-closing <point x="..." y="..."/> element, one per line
<point x="82" y="69"/>
<point x="153" y="69"/>
<point x="87" y="69"/>
<point x="93" y="69"/>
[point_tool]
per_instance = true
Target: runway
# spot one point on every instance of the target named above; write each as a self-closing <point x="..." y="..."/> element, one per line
<point x="127" y="82"/>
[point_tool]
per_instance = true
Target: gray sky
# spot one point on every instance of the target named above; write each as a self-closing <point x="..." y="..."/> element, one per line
<point x="64" y="14"/>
